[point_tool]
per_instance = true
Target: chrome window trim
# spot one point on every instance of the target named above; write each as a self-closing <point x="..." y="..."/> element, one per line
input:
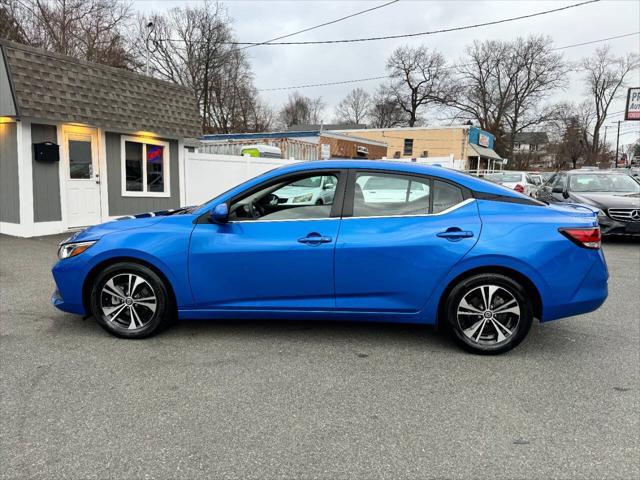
<point x="285" y="220"/>
<point x="444" y="212"/>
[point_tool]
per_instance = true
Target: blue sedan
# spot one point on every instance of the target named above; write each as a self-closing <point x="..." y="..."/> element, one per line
<point x="347" y="240"/>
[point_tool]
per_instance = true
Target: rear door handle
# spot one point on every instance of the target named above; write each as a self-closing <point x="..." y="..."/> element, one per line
<point x="314" y="238"/>
<point x="454" y="234"/>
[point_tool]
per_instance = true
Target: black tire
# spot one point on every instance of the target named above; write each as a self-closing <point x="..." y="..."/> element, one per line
<point x="319" y="202"/>
<point x="151" y="321"/>
<point x="459" y="318"/>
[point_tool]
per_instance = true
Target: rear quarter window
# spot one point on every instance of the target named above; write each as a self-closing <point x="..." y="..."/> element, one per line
<point x="445" y="196"/>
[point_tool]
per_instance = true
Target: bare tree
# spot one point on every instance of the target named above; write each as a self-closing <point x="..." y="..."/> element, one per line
<point x="353" y="109"/>
<point x="300" y="110"/>
<point x="86" y="29"/>
<point x="419" y="78"/>
<point x="190" y="46"/>
<point x="503" y="85"/>
<point x="605" y="74"/>
<point x="384" y="111"/>
<point x="483" y="91"/>
<point x="569" y="129"/>
<point x="535" y="72"/>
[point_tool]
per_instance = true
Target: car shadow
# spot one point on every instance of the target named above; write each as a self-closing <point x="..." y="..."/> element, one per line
<point x="358" y="334"/>
<point x="542" y="340"/>
<point x="621" y="240"/>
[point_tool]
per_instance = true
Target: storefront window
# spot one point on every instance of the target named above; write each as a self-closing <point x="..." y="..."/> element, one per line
<point x="145" y="167"/>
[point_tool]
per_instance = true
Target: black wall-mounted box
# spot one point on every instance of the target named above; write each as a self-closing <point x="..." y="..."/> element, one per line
<point x="46" y="152"/>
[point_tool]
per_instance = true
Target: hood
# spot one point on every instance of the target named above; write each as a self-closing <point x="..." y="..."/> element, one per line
<point x="98" y="231"/>
<point x="604" y="201"/>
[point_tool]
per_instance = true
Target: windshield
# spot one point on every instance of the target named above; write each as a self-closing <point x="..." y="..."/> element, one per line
<point x="504" y="177"/>
<point x="614" y="183"/>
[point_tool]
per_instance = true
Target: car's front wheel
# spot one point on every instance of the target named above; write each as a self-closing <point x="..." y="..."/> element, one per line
<point x="130" y="300"/>
<point x="489" y="313"/>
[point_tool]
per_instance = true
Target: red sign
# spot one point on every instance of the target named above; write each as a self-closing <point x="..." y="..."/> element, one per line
<point x="632" y="112"/>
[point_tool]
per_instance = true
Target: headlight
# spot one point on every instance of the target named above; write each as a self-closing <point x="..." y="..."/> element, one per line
<point x="303" y="198"/>
<point x="601" y="213"/>
<point x="68" y="250"/>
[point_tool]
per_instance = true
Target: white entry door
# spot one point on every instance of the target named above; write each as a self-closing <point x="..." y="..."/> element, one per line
<point x="82" y="177"/>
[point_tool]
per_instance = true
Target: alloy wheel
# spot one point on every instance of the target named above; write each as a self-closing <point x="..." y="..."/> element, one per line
<point x="488" y="315"/>
<point x="128" y="300"/>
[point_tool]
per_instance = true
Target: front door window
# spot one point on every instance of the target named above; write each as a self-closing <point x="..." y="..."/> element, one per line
<point x="301" y="198"/>
<point x="80" y="162"/>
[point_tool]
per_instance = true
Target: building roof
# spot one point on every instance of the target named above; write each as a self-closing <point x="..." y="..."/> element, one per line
<point x="485" y="152"/>
<point x="532" y="138"/>
<point x="404" y="129"/>
<point x="222" y="137"/>
<point x="325" y="126"/>
<point x="50" y="86"/>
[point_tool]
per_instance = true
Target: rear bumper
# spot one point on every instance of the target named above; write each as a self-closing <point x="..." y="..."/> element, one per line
<point x="589" y="295"/>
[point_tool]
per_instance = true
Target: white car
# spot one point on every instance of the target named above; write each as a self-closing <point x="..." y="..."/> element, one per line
<point x="519" y="181"/>
<point x="309" y="191"/>
<point x="379" y="189"/>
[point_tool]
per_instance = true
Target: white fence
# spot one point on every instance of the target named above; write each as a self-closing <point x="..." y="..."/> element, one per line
<point x="207" y="175"/>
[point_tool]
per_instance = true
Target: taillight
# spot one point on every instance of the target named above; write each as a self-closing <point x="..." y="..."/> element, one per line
<point x="519" y="188"/>
<point x="584" y="237"/>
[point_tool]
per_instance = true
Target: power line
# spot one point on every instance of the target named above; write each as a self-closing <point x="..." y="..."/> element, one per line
<point x="596" y="41"/>
<point x="358" y="80"/>
<point x="432" y="32"/>
<point x="409" y="35"/>
<point x="324" y="84"/>
<point x="321" y="25"/>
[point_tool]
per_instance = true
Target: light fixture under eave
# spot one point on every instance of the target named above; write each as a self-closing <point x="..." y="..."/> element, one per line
<point x="142" y="133"/>
<point x="7" y="120"/>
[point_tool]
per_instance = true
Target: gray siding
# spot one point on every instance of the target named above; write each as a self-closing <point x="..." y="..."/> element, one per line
<point x="46" y="178"/>
<point x="9" y="193"/>
<point x="119" y="205"/>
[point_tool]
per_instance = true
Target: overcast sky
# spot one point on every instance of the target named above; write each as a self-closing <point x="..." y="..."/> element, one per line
<point x="281" y="66"/>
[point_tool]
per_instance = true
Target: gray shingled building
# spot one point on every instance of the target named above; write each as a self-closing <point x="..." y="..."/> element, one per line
<point x="81" y="143"/>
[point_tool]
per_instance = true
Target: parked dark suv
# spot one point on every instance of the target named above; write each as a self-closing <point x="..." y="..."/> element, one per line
<point x="615" y="194"/>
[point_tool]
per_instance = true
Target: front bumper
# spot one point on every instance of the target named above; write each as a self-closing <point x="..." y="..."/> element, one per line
<point x="610" y="227"/>
<point x="69" y="275"/>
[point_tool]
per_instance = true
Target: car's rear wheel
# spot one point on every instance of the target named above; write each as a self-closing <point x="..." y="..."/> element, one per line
<point x="489" y="313"/>
<point x="130" y="301"/>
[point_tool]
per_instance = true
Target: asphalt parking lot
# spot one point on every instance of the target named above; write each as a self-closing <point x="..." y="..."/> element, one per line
<point x="313" y="400"/>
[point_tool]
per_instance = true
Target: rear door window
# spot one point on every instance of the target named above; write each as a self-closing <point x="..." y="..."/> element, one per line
<point x="387" y="194"/>
<point x="382" y="194"/>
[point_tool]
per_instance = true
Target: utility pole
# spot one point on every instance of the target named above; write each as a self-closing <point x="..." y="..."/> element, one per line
<point x="617" y="143"/>
<point x="149" y="30"/>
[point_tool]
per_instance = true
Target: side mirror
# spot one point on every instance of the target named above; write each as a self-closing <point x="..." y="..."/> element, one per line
<point x="557" y="189"/>
<point x="220" y="214"/>
<point x="328" y="186"/>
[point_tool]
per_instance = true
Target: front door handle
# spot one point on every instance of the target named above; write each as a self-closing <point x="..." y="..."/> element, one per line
<point x="314" y="238"/>
<point x="454" y="234"/>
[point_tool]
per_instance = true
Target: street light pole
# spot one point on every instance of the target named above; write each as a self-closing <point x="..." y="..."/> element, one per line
<point x="617" y="143"/>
